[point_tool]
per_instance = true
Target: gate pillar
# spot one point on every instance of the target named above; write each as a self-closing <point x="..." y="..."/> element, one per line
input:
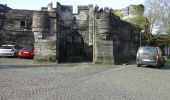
<point x="103" y="43"/>
<point x="45" y="46"/>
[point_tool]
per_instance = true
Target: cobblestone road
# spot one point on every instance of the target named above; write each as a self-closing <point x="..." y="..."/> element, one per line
<point x="84" y="81"/>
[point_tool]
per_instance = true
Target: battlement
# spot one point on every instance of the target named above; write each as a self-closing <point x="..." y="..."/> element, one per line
<point x="4" y="8"/>
<point x="132" y="10"/>
<point x="84" y="8"/>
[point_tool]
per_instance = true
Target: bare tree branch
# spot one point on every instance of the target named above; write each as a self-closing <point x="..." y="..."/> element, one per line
<point x="158" y="13"/>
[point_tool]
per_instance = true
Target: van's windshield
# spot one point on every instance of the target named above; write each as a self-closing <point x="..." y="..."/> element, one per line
<point x="147" y="50"/>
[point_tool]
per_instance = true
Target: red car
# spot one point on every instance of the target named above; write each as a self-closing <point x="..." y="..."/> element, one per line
<point x="26" y="52"/>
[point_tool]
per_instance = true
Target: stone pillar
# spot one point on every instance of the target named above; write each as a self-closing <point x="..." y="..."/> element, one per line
<point x="91" y="24"/>
<point x="103" y="44"/>
<point x="45" y="41"/>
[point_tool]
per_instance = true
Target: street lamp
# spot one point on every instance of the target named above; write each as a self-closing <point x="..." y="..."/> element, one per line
<point x="142" y="31"/>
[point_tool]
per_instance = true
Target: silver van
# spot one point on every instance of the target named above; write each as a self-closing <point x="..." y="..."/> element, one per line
<point x="150" y="55"/>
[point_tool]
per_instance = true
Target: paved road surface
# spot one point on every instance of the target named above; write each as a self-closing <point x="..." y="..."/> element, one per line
<point x="84" y="81"/>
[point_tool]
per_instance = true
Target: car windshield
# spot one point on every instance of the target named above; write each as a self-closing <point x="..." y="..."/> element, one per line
<point x="147" y="50"/>
<point x="6" y="47"/>
<point x="27" y="48"/>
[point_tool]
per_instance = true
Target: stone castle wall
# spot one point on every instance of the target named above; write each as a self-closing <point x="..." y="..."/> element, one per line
<point x="45" y="36"/>
<point x="132" y="11"/>
<point x="59" y="35"/>
<point x="103" y="44"/>
<point x="16" y="27"/>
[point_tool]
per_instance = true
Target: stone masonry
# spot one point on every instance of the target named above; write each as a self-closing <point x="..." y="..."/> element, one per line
<point x="16" y="26"/>
<point x="59" y="35"/>
<point x="45" y="36"/>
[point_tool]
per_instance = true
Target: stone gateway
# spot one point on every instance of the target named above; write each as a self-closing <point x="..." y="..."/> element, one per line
<point x="59" y="35"/>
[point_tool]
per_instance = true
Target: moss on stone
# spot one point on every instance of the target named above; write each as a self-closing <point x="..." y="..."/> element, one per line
<point x="48" y="58"/>
<point x="104" y="60"/>
<point x="121" y="59"/>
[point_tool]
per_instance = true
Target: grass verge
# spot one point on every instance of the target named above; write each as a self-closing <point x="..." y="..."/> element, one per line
<point x="167" y="59"/>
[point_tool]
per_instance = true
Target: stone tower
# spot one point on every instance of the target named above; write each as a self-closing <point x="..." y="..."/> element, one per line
<point x="132" y="11"/>
<point x="44" y="28"/>
<point x="103" y="43"/>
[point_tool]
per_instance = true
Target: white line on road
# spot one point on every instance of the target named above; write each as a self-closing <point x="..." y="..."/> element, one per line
<point x="101" y="73"/>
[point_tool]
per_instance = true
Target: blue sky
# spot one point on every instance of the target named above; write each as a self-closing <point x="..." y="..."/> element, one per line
<point x="37" y="4"/>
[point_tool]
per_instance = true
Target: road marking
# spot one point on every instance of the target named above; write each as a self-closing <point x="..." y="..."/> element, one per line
<point x="95" y="75"/>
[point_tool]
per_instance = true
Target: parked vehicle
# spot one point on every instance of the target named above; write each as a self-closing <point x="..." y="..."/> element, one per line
<point x="26" y="52"/>
<point x="9" y="50"/>
<point x="150" y="55"/>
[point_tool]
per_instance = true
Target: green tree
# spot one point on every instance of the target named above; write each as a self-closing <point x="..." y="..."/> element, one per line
<point x="143" y="22"/>
<point x="158" y="14"/>
<point x="118" y="13"/>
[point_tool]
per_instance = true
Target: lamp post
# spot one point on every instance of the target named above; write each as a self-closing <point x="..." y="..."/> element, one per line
<point x="142" y="31"/>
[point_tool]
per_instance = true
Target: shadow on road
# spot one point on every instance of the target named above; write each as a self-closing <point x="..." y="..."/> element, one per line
<point x="11" y="66"/>
<point x="23" y="66"/>
<point x="166" y="66"/>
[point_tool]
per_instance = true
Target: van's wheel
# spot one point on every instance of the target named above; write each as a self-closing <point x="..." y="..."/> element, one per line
<point x="159" y="65"/>
<point x="163" y="63"/>
<point x="138" y="65"/>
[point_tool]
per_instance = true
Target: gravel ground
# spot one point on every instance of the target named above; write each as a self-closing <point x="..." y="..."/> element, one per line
<point x="84" y="81"/>
<point x="17" y="61"/>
